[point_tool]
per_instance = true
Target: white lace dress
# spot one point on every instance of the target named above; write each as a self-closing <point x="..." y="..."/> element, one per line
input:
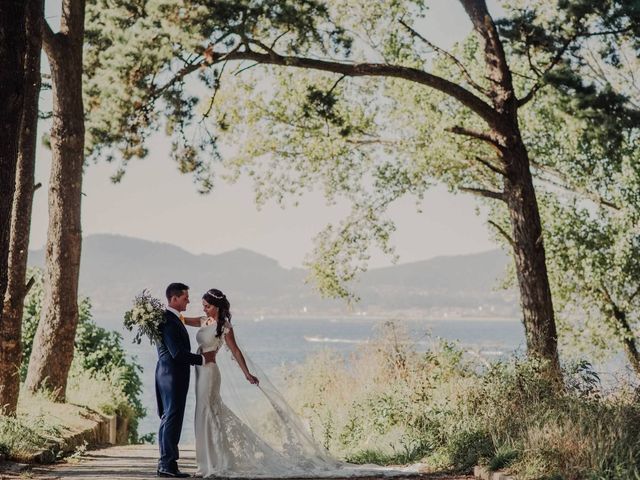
<point x="228" y="447"/>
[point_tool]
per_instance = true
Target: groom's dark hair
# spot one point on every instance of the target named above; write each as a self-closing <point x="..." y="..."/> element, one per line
<point x="175" y="290"/>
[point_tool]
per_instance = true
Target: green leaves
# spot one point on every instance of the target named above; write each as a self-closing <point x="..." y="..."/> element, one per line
<point x="139" y="54"/>
<point x="97" y="351"/>
<point x="155" y="64"/>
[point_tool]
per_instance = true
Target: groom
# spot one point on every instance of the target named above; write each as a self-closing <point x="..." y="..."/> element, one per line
<point x="172" y="378"/>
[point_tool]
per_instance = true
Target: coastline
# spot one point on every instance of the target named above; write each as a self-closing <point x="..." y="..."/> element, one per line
<point x="377" y="317"/>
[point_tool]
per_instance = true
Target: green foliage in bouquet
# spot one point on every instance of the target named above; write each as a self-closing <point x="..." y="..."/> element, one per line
<point x="146" y="316"/>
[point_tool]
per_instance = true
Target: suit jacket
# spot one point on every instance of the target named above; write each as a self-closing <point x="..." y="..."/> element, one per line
<point x="174" y="351"/>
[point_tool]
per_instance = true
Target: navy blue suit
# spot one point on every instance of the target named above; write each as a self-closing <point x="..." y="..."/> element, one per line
<point x="172" y="383"/>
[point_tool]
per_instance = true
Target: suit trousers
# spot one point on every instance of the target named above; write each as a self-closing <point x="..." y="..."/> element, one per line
<point x="171" y="394"/>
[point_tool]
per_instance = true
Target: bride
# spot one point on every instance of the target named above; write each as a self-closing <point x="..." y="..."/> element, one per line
<point x="228" y="446"/>
<point x="225" y="444"/>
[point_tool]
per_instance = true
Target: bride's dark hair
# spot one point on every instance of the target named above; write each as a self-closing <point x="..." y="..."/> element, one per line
<point x="218" y="299"/>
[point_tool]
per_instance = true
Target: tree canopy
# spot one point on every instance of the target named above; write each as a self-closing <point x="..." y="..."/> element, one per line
<point x="367" y="140"/>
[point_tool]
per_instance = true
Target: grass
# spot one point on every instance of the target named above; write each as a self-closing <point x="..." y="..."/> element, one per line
<point x="41" y="422"/>
<point x="503" y="458"/>
<point x="378" y="457"/>
<point x="390" y="404"/>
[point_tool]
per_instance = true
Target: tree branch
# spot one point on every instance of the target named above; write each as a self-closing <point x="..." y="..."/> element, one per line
<point x="533" y="67"/>
<point x="496" y="60"/>
<point x="608" y="297"/>
<point x="484" y="137"/>
<point x="29" y="284"/>
<point x="634" y="294"/>
<point x="333" y="87"/>
<point x="491" y="166"/>
<point x="275" y="41"/>
<point x="49" y="39"/>
<point x="451" y="57"/>
<point x="607" y="32"/>
<point x="539" y="84"/>
<point x="239" y="71"/>
<point x="565" y="185"/>
<point x="373" y="141"/>
<point x="484" y="193"/>
<point x="183" y="72"/>
<point x="464" y="96"/>
<point x="213" y="97"/>
<point x="502" y="232"/>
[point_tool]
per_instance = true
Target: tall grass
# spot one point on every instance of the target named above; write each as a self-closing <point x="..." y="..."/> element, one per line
<point x="388" y="403"/>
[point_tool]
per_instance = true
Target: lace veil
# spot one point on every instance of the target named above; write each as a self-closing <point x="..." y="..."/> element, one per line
<point x="265" y="411"/>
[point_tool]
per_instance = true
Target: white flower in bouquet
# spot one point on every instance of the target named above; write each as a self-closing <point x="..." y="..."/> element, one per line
<point x="145" y="317"/>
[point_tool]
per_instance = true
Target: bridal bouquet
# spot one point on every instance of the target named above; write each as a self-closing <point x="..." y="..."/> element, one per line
<point x="146" y="316"/>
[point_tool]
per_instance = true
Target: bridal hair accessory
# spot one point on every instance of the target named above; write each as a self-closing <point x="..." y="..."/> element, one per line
<point x="217" y="297"/>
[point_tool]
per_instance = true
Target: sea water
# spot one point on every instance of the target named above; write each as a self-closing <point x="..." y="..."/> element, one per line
<point x="278" y="343"/>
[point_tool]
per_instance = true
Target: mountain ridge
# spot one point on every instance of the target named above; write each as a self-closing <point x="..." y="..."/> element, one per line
<point x="115" y="267"/>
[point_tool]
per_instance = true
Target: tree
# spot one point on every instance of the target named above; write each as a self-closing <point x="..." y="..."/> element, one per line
<point x="325" y="123"/>
<point x="12" y="98"/>
<point x="596" y="275"/>
<point x="585" y="136"/>
<point x="52" y="352"/>
<point x="97" y="351"/>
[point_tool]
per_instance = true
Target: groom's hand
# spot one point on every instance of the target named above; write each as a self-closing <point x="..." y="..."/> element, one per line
<point x="209" y="357"/>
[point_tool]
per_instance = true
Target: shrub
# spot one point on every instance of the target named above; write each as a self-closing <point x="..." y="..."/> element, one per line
<point x="98" y="354"/>
<point x="467" y="448"/>
<point x="19" y="436"/>
<point x="388" y="403"/>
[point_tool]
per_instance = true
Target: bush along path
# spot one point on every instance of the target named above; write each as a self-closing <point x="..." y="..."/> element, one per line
<point x="137" y="462"/>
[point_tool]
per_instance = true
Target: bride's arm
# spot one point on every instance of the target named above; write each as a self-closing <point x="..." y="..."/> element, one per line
<point x="233" y="346"/>
<point x="193" y="321"/>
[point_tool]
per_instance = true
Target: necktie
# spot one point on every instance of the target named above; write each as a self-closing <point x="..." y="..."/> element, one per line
<point x="181" y="317"/>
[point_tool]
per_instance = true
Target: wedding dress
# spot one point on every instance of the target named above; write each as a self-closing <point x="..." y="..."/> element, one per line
<point x="228" y="446"/>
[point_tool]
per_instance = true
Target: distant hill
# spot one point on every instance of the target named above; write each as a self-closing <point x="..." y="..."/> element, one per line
<point x="114" y="268"/>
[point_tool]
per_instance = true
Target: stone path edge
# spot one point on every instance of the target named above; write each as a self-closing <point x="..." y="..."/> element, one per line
<point x="483" y="473"/>
<point x="103" y="432"/>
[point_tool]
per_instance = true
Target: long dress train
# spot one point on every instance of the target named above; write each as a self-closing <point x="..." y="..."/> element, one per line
<point x="226" y="446"/>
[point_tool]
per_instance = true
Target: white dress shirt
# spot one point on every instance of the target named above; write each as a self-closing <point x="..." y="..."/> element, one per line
<point x="174" y="311"/>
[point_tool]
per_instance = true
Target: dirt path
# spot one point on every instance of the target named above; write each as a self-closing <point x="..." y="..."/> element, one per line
<point x="136" y="462"/>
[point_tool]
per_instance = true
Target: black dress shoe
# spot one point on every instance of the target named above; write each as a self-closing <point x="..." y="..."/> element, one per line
<point x="172" y="473"/>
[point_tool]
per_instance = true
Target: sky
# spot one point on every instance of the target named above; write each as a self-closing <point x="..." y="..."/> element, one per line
<point x="155" y="202"/>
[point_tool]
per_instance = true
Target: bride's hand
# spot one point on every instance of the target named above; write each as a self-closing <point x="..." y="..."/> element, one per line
<point x="252" y="379"/>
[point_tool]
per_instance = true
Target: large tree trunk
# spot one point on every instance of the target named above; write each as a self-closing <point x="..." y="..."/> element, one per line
<point x="12" y="95"/>
<point x="52" y="352"/>
<point x="12" y="49"/>
<point x="529" y="256"/>
<point x="11" y="327"/>
<point x="519" y="195"/>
